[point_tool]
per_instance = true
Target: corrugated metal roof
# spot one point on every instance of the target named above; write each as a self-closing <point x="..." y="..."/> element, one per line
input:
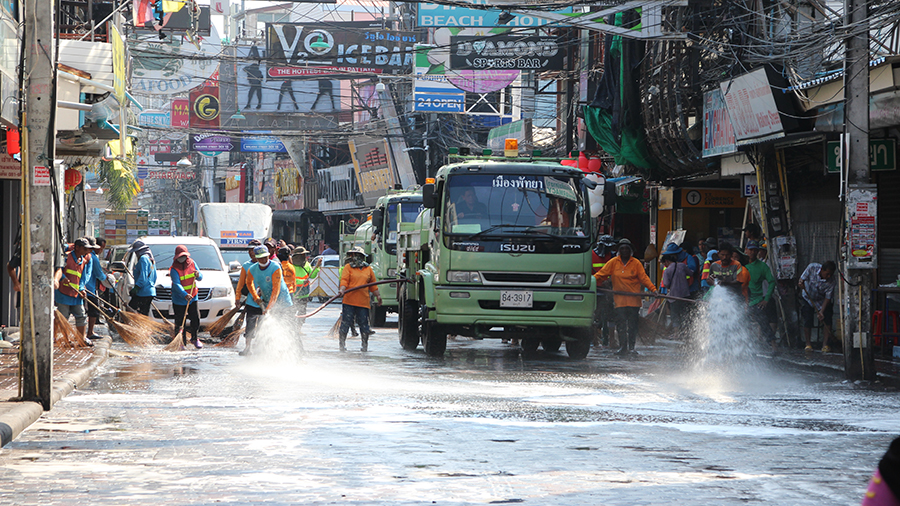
<point x="834" y="75"/>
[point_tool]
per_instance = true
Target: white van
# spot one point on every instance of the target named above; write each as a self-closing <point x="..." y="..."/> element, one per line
<point x="216" y="295"/>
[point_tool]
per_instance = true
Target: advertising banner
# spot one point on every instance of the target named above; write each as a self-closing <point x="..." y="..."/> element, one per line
<point x="172" y="65"/>
<point x="751" y="107"/>
<point x="433" y="91"/>
<point x="10" y="168"/>
<point x="451" y="15"/>
<point x="213" y="142"/>
<point x="262" y="145"/>
<point x="288" y="185"/>
<point x="155" y="118"/>
<point x="234" y="184"/>
<point x="205" y="109"/>
<point x="506" y="52"/>
<point x="718" y="134"/>
<point x="332" y="45"/>
<point x="372" y="166"/>
<point x="181" y="115"/>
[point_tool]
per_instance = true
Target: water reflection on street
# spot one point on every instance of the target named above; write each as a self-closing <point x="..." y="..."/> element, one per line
<point x="483" y="425"/>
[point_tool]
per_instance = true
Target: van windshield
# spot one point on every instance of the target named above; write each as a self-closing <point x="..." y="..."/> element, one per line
<point x="204" y="255"/>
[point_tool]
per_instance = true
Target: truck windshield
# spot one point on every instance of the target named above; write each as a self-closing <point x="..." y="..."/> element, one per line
<point x="514" y="205"/>
<point x="410" y="212"/>
<point x="204" y="255"/>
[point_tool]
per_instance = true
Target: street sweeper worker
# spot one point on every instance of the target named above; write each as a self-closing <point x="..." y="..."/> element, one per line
<point x="241" y="290"/>
<point x="287" y="269"/>
<point x="726" y="272"/>
<point x="93" y="278"/>
<point x="185" y="274"/>
<point x="68" y="284"/>
<point x="627" y="274"/>
<point x="144" y="274"/>
<point x="304" y="273"/>
<point x="355" y="304"/>
<point x="267" y="292"/>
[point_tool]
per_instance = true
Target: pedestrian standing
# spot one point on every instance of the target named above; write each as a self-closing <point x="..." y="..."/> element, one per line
<point x="268" y="293"/>
<point x="144" y="274"/>
<point x="185" y="274"/>
<point x="329" y="250"/>
<point x="604" y="312"/>
<point x="728" y="273"/>
<point x="355" y="304"/>
<point x="68" y="285"/>
<point x="94" y="276"/>
<point x="676" y="279"/>
<point x="760" y="298"/>
<point x="817" y="286"/>
<point x="627" y="274"/>
<point x="304" y="274"/>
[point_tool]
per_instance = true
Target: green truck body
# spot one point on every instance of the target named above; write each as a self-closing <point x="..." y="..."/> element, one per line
<point x="378" y="237"/>
<point x="502" y="250"/>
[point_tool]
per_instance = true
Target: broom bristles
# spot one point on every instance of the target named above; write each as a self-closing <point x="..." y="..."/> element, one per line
<point x="133" y="336"/>
<point x="67" y="337"/>
<point x="177" y="343"/>
<point x="221" y="323"/>
<point x="148" y="324"/>
<point x="231" y="340"/>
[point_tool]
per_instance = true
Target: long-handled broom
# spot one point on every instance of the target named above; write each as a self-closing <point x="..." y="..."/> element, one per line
<point x="231" y="340"/>
<point x="65" y="336"/>
<point x="141" y="321"/>
<point x="333" y="332"/>
<point x="222" y="322"/>
<point x="132" y="335"/>
<point x="177" y="343"/>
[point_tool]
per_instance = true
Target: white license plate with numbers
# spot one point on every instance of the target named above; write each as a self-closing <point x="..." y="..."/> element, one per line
<point x="516" y="298"/>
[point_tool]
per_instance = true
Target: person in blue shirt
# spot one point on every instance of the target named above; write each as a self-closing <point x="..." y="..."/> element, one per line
<point x="185" y="275"/>
<point x="144" y="275"/>
<point x="68" y="284"/>
<point x="93" y="273"/>
<point x="268" y="292"/>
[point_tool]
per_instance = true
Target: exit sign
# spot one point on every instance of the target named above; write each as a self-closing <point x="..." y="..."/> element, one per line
<point x="882" y="155"/>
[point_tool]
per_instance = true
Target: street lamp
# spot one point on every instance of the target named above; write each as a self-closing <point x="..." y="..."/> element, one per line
<point x="184" y="163"/>
<point x="238" y="115"/>
<point x="319" y="43"/>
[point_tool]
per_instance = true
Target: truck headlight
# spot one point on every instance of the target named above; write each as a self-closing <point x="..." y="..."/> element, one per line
<point x="568" y="279"/>
<point x="222" y="291"/>
<point x="463" y="277"/>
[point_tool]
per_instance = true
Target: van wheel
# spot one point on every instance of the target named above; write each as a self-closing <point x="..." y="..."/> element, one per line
<point x="530" y="345"/>
<point x="579" y="347"/>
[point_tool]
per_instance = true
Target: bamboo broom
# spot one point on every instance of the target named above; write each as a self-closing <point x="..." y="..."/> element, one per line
<point x="231" y="340"/>
<point x="219" y="325"/>
<point x="141" y="321"/>
<point x="177" y="343"/>
<point x="63" y="333"/>
<point x="132" y="335"/>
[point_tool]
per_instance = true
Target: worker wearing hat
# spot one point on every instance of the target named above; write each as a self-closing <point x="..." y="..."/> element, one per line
<point x="93" y="278"/>
<point x="68" y="283"/>
<point x="242" y="290"/>
<point x="627" y="274"/>
<point x="355" y="303"/>
<point x="144" y="277"/>
<point x="304" y="274"/>
<point x="604" y="311"/>
<point x="267" y="292"/>
<point x="185" y="293"/>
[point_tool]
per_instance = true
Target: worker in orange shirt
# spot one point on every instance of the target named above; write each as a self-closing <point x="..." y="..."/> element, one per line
<point x="355" y="304"/>
<point x="627" y="275"/>
<point x="729" y="273"/>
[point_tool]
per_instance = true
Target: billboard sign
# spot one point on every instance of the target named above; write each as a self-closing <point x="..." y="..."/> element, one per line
<point x="261" y="87"/>
<point x="212" y="142"/>
<point x="718" y="134"/>
<point x="751" y="107"/>
<point x="505" y="52"/>
<point x="372" y="166"/>
<point x="172" y="65"/>
<point x="155" y="118"/>
<point x="437" y="15"/>
<point x="262" y="145"/>
<point x="331" y="45"/>
<point x="433" y="91"/>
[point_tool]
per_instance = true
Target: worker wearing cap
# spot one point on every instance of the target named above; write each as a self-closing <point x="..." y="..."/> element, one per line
<point x="242" y="290"/>
<point x="304" y="274"/>
<point x="355" y="304"/>
<point x="267" y="292"/>
<point x="185" y="293"/>
<point x="728" y="272"/>
<point x="627" y="274"/>
<point x="68" y="283"/>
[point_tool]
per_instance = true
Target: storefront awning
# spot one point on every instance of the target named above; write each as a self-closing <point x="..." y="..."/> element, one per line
<point x="296" y="215"/>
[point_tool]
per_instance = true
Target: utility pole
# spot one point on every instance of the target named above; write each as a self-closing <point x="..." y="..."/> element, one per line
<point x="860" y="198"/>
<point x="39" y="182"/>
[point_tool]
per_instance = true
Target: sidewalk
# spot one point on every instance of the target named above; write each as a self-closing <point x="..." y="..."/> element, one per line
<point x="71" y="368"/>
<point x="887" y="369"/>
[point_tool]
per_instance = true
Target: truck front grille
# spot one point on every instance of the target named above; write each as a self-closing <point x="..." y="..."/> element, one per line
<point x="530" y="278"/>
<point x="538" y="305"/>
<point x="166" y="294"/>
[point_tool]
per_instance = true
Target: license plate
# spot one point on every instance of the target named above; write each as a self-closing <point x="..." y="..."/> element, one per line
<point x="523" y="298"/>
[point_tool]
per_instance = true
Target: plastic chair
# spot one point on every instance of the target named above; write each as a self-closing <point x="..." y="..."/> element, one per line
<point x="878" y="329"/>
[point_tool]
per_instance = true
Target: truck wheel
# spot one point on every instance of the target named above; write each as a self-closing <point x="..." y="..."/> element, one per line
<point x="530" y="345"/>
<point x="433" y="340"/>
<point x="551" y="344"/>
<point x="579" y="347"/>
<point x="409" y="324"/>
<point x="377" y="316"/>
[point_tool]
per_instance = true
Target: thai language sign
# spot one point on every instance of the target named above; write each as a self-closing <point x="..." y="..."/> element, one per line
<point x="718" y="134"/>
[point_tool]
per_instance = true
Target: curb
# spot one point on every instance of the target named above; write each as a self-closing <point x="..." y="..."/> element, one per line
<point x="14" y="421"/>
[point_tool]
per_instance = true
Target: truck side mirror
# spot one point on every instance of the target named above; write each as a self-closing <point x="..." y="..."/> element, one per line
<point x="117" y="267"/>
<point x="378" y="219"/>
<point x="428" y="196"/>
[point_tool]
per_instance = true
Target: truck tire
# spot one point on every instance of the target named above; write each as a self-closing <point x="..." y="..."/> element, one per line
<point x="409" y="324"/>
<point x="580" y="346"/>
<point x="551" y="344"/>
<point x="433" y="340"/>
<point x="530" y="345"/>
<point x="377" y="316"/>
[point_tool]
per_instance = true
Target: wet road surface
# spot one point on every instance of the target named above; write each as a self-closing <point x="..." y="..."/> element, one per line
<point x="481" y="426"/>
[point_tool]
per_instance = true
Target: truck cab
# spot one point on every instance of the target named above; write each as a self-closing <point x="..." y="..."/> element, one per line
<point x="502" y="250"/>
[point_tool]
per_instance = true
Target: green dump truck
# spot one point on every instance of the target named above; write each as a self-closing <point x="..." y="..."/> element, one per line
<point x="378" y="237"/>
<point x="501" y="250"/>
